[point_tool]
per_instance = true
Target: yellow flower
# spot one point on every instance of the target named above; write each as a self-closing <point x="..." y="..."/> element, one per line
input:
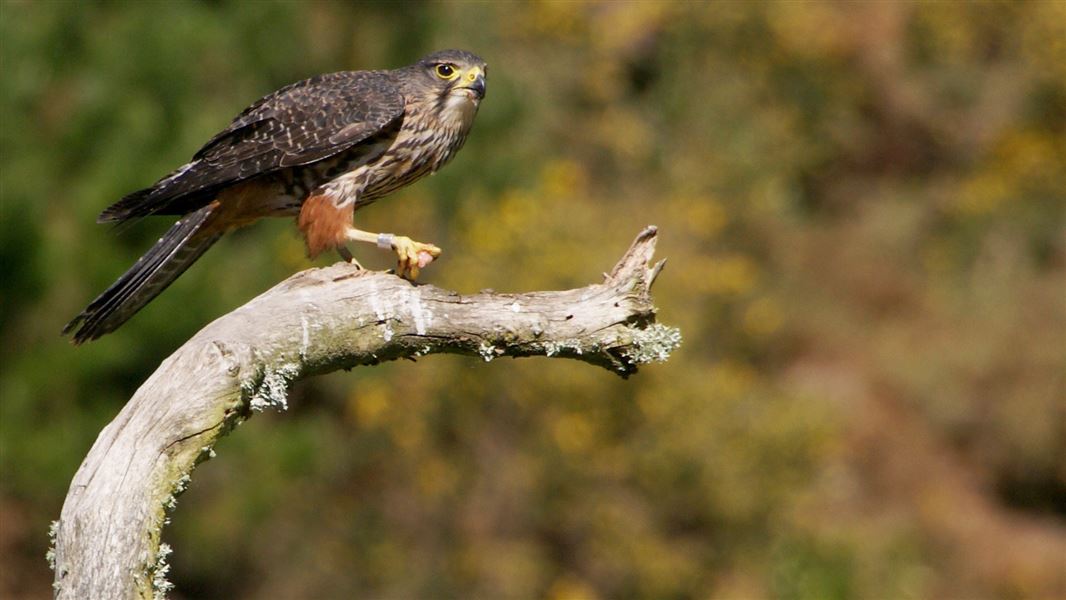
<point x="762" y="317"/>
<point x="573" y="433"/>
<point x="368" y="404"/>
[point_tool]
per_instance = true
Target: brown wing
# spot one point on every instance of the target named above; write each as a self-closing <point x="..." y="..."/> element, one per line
<point x="298" y="124"/>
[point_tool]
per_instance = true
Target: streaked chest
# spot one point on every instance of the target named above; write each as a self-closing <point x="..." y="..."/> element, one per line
<point x="385" y="163"/>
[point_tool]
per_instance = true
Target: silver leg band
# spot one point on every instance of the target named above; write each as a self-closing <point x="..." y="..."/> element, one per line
<point x="385" y="241"/>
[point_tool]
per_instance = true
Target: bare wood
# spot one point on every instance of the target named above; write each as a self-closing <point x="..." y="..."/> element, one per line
<point x="107" y="541"/>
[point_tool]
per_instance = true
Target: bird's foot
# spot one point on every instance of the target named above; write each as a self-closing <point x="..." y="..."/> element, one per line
<point x="413" y="256"/>
<point x="346" y="255"/>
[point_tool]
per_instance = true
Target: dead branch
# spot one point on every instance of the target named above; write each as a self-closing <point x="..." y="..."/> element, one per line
<point x="107" y="541"/>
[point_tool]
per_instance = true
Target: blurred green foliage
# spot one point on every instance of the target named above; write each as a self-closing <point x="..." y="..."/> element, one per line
<point x="863" y="209"/>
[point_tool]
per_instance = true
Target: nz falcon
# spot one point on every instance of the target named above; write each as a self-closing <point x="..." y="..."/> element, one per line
<point x="317" y="150"/>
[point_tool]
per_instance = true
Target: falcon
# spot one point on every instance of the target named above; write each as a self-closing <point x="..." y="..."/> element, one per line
<point x="317" y="149"/>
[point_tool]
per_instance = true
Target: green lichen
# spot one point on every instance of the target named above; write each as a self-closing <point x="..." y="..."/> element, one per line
<point x="272" y="390"/>
<point x="551" y="348"/>
<point x="487" y="351"/>
<point x="50" y="556"/>
<point x="653" y="344"/>
<point x="160" y="585"/>
<point x="171" y="501"/>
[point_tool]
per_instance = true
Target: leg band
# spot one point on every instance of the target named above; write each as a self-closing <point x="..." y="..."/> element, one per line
<point x="385" y="241"/>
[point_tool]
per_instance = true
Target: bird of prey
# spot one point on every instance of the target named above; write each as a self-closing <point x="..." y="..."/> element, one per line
<point x="317" y="149"/>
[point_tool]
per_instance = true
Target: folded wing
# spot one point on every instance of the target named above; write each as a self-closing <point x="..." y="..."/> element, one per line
<point x="299" y="124"/>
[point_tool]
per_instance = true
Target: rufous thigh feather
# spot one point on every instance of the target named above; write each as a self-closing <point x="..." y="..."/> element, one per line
<point x="324" y="224"/>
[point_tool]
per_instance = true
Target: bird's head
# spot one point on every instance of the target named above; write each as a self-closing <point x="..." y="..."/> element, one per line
<point x="451" y="80"/>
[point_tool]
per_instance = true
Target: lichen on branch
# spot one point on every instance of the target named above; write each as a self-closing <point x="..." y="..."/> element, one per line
<point x="315" y="322"/>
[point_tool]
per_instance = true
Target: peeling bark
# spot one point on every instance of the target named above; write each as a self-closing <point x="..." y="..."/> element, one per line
<point x="108" y="538"/>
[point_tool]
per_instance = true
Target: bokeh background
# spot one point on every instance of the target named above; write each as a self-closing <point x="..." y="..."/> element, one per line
<point x="863" y="209"/>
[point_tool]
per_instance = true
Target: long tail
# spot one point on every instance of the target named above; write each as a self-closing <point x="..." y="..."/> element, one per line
<point x="175" y="252"/>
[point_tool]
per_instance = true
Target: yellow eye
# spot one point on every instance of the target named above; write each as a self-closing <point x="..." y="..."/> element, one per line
<point x="446" y="71"/>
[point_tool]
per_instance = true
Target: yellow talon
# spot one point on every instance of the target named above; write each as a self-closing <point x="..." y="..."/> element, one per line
<point x="413" y="256"/>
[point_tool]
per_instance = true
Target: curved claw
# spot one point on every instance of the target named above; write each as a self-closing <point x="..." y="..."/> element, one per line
<point x="346" y="255"/>
<point x="413" y="256"/>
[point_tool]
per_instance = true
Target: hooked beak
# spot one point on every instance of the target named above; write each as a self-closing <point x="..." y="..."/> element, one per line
<point x="478" y="85"/>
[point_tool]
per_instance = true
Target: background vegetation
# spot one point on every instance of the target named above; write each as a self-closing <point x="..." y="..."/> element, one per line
<point x="863" y="208"/>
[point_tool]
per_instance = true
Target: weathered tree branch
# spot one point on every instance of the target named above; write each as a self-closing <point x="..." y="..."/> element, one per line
<point x="107" y="541"/>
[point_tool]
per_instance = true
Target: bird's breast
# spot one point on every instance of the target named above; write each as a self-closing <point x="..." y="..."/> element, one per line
<point x="416" y="152"/>
<point x="379" y="166"/>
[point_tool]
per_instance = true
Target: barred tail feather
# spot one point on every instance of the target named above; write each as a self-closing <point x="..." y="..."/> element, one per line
<point x="175" y="252"/>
